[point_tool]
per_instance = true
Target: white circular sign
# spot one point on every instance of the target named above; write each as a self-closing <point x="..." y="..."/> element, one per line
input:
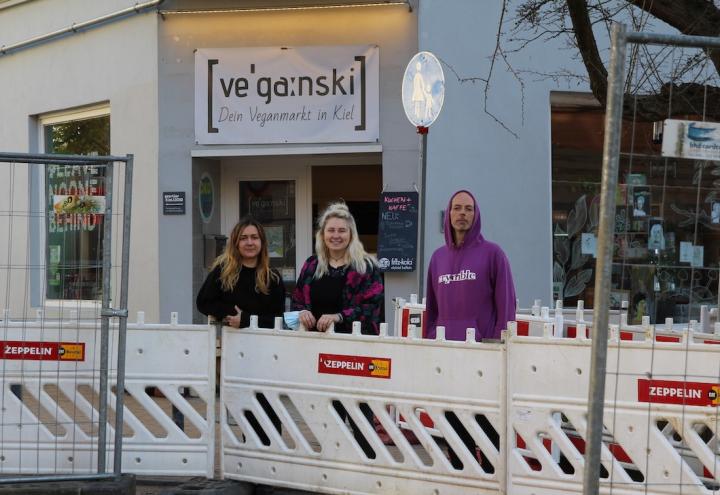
<point x="423" y="89"/>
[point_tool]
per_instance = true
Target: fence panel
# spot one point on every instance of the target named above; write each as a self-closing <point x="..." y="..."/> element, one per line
<point x="659" y="422"/>
<point x="65" y="221"/>
<point x="51" y="398"/>
<point x="320" y="412"/>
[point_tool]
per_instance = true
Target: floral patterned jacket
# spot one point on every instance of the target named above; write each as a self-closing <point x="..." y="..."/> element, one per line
<point x="362" y="296"/>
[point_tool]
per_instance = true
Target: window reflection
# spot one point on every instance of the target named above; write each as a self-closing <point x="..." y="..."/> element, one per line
<point x="75" y="200"/>
<point x="666" y="246"/>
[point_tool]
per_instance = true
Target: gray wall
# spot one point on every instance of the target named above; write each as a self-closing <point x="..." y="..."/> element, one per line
<point x="467" y="149"/>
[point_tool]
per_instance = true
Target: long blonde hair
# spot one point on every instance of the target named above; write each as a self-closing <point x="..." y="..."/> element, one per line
<point x="230" y="260"/>
<point x="359" y="259"/>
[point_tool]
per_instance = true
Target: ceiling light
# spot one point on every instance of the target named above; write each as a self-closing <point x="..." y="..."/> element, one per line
<point x="392" y="3"/>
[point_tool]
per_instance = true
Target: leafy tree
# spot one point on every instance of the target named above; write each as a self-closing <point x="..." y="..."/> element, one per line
<point x="81" y="137"/>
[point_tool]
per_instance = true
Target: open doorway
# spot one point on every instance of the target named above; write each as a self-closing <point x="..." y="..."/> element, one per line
<point x="360" y="187"/>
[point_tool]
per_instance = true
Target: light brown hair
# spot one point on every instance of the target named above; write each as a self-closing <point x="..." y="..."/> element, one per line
<point x="230" y="260"/>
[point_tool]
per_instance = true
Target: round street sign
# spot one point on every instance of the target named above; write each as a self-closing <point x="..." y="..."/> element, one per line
<point x="423" y="89"/>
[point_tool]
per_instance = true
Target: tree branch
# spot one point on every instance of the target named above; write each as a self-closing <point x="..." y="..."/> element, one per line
<point x="692" y="17"/>
<point x="585" y="39"/>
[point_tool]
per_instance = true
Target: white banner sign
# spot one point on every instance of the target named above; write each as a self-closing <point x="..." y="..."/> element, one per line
<point x="691" y="139"/>
<point x="287" y="95"/>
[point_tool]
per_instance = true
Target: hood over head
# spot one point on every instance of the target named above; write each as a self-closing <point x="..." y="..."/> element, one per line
<point x="473" y="235"/>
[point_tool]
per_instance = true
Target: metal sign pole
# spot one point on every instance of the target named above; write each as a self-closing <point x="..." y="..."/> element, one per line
<point x="423" y="131"/>
<point x="598" y="360"/>
<point x="423" y="93"/>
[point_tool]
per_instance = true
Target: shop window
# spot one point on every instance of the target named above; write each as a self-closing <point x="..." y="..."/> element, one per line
<point x="73" y="195"/>
<point x="667" y="227"/>
<point x="272" y="203"/>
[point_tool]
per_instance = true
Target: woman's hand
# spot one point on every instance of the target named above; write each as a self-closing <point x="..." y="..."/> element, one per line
<point x="325" y="321"/>
<point x="234" y="320"/>
<point x="307" y="319"/>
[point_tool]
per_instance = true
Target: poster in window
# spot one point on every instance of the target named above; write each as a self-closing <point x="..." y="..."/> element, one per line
<point x="78" y="205"/>
<point x="588" y="244"/>
<point x="698" y="256"/>
<point x="656" y="236"/>
<point x="686" y="252"/>
<point x="641" y="202"/>
<point x="715" y="212"/>
<point x="276" y="246"/>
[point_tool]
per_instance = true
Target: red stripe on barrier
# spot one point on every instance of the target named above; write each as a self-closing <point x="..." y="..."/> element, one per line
<point x="405" y="321"/>
<point x="614" y="448"/>
<point x="424" y="419"/>
<point x="523" y="328"/>
<point x="619" y="453"/>
<point x="547" y="443"/>
<point x="578" y="442"/>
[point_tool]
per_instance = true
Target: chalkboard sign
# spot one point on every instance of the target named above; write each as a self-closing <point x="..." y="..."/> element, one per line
<point x="397" y="233"/>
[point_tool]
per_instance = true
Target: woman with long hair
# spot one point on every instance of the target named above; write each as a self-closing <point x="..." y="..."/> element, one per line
<point x="241" y="282"/>
<point x="340" y="284"/>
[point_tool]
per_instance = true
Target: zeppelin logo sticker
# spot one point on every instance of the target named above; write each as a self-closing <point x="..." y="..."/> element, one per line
<point x="42" y="351"/>
<point x="338" y="364"/>
<point x="676" y="392"/>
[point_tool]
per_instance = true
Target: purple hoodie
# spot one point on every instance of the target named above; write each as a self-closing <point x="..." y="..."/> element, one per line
<point x="469" y="286"/>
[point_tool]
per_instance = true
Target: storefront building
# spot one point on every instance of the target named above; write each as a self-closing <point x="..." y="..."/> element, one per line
<point x="280" y="148"/>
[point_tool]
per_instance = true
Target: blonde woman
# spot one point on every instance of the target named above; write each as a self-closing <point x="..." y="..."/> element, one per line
<point x="241" y="282"/>
<point x="340" y="284"/>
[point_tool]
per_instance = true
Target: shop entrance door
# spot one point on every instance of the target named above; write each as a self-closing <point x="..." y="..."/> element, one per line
<point x="278" y="196"/>
<point x="272" y="203"/>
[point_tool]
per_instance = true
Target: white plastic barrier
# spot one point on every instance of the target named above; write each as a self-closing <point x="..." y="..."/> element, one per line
<point x="660" y="415"/>
<point x="49" y="416"/>
<point x="309" y="379"/>
<point x="523" y="403"/>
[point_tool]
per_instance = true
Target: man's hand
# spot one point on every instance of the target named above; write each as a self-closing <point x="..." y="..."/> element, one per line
<point x="323" y="324"/>
<point x="307" y="319"/>
<point x="234" y="320"/>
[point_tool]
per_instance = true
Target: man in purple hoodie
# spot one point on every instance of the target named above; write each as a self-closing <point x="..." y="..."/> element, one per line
<point x="469" y="283"/>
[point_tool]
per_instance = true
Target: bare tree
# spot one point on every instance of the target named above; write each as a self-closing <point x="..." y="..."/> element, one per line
<point x="662" y="81"/>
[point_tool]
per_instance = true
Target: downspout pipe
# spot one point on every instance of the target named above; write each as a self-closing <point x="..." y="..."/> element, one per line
<point x="138" y="8"/>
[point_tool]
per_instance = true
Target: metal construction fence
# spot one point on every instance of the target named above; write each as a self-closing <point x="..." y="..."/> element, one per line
<point x="65" y="220"/>
<point x="667" y="185"/>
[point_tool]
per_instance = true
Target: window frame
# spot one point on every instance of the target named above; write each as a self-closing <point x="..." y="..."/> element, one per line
<point x="53" y="118"/>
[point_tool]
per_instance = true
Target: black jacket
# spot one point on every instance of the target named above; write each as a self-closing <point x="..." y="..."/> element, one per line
<point x="212" y="300"/>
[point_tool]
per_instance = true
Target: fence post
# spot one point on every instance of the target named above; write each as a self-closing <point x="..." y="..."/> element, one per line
<point x="598" y="360"/>
<point x="122" y="326"/>
<point x="105" y="325"/>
